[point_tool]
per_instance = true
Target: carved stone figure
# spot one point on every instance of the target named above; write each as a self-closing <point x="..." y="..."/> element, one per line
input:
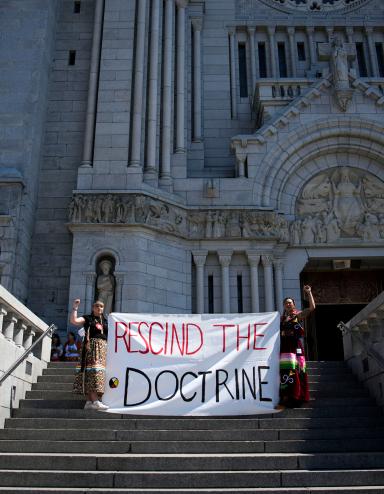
<point x="307" y="231"/>
<point x="339" y="64"/>
<point x="332" y="227"/>
<point x="105" y="285"/>
<point x="347" y="202"/>
<point x="340" y="203"/>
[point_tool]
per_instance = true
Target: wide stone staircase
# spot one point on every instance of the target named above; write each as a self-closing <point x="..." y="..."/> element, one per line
<point x="334" y="444"/>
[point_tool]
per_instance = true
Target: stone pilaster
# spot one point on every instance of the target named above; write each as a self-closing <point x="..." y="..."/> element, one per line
<point x="278" y="265"/>
<point x="197" y="25"/>
<point x="89" y="134"/>
<point x="225" y="261"/>
<point x="272" y="51"/>
<point x="138" y="86"/>
<point x="199" y="258"/>
<point x="232" y="51"/>
<point x="266" y="260"/>
<point x="150" y="172"/>
<point x="180" y="76"/>
<point x="253" y="261"/>
<point x="167" y="103"/>
<point x="292" y="50"/>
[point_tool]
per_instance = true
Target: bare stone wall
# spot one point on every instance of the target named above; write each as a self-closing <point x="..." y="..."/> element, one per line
<point x="26" y="41"/>
<point x="65" y="121"/>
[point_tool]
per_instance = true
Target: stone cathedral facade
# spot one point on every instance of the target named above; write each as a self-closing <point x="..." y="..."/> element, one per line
<point x="218" y="154"/>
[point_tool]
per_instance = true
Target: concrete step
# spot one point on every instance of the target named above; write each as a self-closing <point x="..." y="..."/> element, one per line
<point x="191" y="480"/>
<point x="305" y="411"/>
<point x="181" y="447"/>
<point x="279" y="422"/>
<point x="186" y="435"/>
<point x="273" y="490"/>
<point x="70" y="429"/>
<point x="137" y="435"/>
<point x="61" y="364"/>
<point x="205" y="462"/>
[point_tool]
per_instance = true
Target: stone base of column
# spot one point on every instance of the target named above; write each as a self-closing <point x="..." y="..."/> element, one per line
<point x="135" y="175"/>
<point x="151" y="177"/>
<point x="179" y="165"/>
<point x="86" y="164"/>
<point x="165" y="183"/>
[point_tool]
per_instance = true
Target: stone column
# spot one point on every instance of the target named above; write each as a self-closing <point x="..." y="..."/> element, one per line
<point x="90" y="279"/>
<point x="138" y="85"/>
<point x="232" y="51"/>
<point x="278" y="264"/>
<point x="167" y="103"/>
<point x="240" y="161"/>
<point x="9" y="326"/>
<point x="119" y="279"/>
<point x="329" y="34"/>
<point x="268" y="282"/>
<point x="180" y="83"/>
<point x="350" y="39"/>
<point x="199" y="258"/>
<point x="150" y="172"/>
<point x="19" y="333"/>
<point x="197" y="25"/>
<point x="292" y="49"/>
<point x="29" y="334"/>
<point x="225" y="261"/>
<point x="3" y="313"/>
<point x="372" y="52"/>
<point x="253" y="261"/>
<point x="272" y="51"/>
<point x="89" y="134"/>
<point x="312" y="53"/>
<point x="252" y="53"/>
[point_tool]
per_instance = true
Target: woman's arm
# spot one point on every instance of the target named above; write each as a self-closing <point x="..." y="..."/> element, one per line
<point x="305" y="313"/>
<point x="76" y="321"/>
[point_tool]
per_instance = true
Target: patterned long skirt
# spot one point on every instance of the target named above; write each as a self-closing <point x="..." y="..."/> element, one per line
<point x="294" y="386"/>
<point x="92" y="378"/>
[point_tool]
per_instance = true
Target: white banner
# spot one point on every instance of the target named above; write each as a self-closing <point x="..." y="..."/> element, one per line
<point x="167" y="364"/>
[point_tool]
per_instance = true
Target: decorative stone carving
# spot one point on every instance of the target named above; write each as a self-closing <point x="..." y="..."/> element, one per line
<point x="338" y="204"/>
<point x="313" y="6"/>
<point x="105" y="285"/>
<point x="339" y="53"/>
<point x="135" y="209"/>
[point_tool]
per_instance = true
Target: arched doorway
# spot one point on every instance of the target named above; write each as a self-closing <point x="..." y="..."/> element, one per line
<point x="341" y="290"/>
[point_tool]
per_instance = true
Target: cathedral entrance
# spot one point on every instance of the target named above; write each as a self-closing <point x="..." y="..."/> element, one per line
<point x="339" y="294"/>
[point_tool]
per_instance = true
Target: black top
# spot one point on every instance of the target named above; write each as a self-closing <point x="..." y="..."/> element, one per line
<point x="98" y="326"/>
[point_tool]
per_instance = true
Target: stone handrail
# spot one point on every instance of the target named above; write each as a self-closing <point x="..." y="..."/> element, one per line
<point x="20" y="328"/>
<point x="17" y="322"/>
<point x="363" y="340"/>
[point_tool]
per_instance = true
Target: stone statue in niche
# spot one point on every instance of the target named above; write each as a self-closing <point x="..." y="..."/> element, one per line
<point x="105" y="285"/>
<point x="338" y="204"/>
<point x="339" y="64"/>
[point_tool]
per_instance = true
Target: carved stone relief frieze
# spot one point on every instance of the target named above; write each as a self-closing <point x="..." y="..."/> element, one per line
<point x="248" y="8"/>
<point x="135" y="209"/>
<point x="338" y="205"/>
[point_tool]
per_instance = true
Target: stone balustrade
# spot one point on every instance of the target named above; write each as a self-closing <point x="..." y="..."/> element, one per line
<point x="19" y="328"/>
<point x="363" y="340"/>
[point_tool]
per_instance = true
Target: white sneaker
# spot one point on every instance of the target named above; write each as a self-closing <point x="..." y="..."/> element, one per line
<point x="97" y="405"/>
<point x="88" y="405"/>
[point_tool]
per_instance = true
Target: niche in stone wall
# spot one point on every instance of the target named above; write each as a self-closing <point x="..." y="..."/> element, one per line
<point x="105" y="285"/>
